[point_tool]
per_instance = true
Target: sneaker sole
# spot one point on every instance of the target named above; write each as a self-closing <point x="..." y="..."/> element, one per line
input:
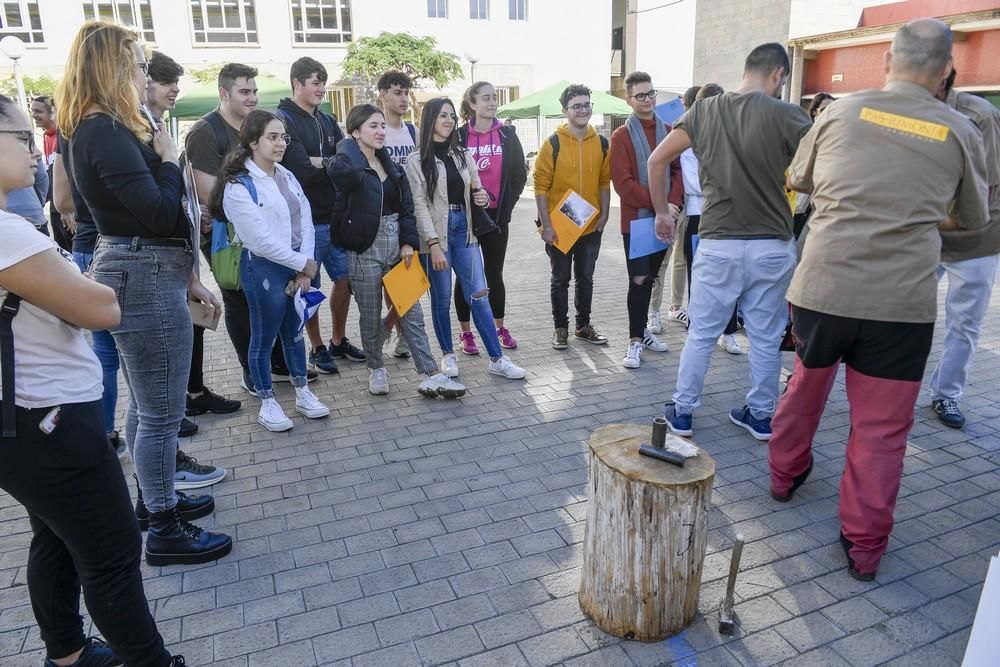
<point x="560" y="346"/>
<point x="187" y="516"/>
<point x="508" y="347"/>
<point x="276" y="428"/>
<point x="735" y="353"/>
<point x="471" y="354"/>
<point x="504" y="375"/>
<point x="449" y="374"/>
<point x="184" y="485"/>
<point x="379" y="393"/>
<point x="350" y="357"/>
<point x="401" y="355"/>
<point x="686" y="432"/>
<point x="940" y="418"/>
<point x="592" y="342"/>
<point x="159" y="560"/>
<point x="313" y="414"/>
<point x="653" y="349"/>
<point x="762" y="437"/>
<point x="197" y="412"/>
<point x="320" y="369"/>
<point x="631" y="366"/>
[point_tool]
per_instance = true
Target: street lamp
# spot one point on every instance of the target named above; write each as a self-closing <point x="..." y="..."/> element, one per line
<point x="473" y="60"/>
<point x="14" y="48"/>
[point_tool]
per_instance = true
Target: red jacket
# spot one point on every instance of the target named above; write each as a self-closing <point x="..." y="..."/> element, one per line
<point x="625" y="174"/>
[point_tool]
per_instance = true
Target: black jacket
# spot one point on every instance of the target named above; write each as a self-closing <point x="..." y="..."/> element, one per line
<point x="315" y="135"/>
<point x="358" y="209"/>
<point x="513" y="170"/>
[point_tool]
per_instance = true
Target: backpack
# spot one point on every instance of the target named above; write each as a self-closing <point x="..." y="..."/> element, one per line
<point x="412" y="130"/>
<point x="554" y="140"/>
<point x="226" y="248"/>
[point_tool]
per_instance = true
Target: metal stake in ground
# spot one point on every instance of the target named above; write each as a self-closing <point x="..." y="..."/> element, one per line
<point x="727" y="618"/>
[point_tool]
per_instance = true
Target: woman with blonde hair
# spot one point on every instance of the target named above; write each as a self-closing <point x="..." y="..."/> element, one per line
<point x="126" y="171"/>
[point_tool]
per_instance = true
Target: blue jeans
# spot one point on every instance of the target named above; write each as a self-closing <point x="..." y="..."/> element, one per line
<point x="154" y="340"/>
<point x="756" y="273"/>
<point x="107" y="354"/>
<point x="272" y="315"/>
<point x="467" y="261"/>
<point x="332" y="257"/>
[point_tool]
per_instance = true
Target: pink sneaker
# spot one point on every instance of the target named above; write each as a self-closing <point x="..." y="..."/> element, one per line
<point x="468" y="341"/>
<point x="507" y="341"/>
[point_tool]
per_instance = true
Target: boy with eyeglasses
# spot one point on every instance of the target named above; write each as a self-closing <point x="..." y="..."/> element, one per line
<point x="631" y="146"/>
<point x="581" y="165"/>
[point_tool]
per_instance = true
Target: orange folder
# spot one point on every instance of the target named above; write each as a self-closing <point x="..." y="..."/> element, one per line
<point x="406" y="285"/>
<point x="572" y="217"/>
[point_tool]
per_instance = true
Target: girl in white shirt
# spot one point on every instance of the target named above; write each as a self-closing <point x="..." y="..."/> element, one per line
<point x="273" y="221"/>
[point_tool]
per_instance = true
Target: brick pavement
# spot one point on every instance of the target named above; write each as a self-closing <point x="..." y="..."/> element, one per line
<point x="404" y="531"/>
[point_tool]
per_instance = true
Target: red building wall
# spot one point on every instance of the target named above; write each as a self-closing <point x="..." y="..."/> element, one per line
<point x="900" y="12"/>
<point x="863" y="66"/>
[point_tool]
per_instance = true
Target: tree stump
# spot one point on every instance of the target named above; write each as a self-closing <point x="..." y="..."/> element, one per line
<point x="645" y="539"/>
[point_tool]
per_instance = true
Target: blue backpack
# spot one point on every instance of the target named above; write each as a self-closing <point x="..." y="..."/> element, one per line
<point x="226" y="246"/>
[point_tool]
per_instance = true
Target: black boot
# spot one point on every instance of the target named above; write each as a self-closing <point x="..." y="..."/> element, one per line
<point x="174" y="541"/>
<point x="190" y="507"/>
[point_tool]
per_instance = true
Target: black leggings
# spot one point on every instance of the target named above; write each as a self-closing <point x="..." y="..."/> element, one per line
<point x="494" y="247"/>
<point x="85" y="533"/>
<point x="692" y="229"/>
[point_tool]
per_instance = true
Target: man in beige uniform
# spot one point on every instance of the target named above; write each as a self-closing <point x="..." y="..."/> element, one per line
<point x="969" y="259"/>
<point x="884" y="168"/>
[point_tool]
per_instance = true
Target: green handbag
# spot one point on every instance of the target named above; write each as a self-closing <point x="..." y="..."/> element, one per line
<point x="226" y="246"/>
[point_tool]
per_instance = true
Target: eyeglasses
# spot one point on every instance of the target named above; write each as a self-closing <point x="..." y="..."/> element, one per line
<point x="286" y="138"/>
<point x="642" y="97"/>
<point x="586" y="106"/>
<point x="27" y="137"/>
<point x="144" y="66"/>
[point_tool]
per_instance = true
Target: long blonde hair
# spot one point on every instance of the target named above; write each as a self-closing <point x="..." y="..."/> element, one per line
<point x="98" y="74"/>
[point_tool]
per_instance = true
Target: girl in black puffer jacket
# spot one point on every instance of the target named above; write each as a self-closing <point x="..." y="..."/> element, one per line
<point x="373" y="220"/>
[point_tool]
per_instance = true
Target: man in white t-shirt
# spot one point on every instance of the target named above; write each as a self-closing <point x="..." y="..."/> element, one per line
<point x="394" y="97"/>
<point x="400" y="140"/>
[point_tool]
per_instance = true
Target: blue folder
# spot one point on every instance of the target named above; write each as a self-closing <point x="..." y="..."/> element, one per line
<point x="642" y="238"/>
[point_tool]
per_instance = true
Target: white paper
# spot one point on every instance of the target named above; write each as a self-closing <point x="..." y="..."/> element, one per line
<point x="983" y="649"/>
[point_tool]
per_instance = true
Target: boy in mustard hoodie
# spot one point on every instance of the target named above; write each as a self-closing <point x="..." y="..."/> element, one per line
<point x="580" y="164"/>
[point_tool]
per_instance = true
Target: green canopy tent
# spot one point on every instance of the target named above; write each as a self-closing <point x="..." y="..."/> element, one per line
<point x="197" y="102"/>
<point x="545" y="104"/>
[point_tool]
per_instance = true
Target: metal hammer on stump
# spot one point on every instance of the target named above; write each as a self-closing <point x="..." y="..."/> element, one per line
<point x="727" y="618"/>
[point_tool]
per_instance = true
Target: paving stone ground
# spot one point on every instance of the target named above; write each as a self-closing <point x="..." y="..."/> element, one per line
<point x="406" y="531"/>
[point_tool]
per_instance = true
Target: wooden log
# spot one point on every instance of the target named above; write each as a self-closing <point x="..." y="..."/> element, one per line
<point x="645" y="539"/>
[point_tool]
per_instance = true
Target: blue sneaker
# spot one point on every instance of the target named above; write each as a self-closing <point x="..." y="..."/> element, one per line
<point x="678" y="424"/>
<point x="322" y="360"/>
<point x="96" y="653"/>
<point x="758" y="428"/>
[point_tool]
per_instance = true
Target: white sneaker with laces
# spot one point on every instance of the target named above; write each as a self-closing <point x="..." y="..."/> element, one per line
<point x="441" y="385"/>
<point x="308" y="405"/>
<point x="654" y="324"/>
<point x="272" y="417"/>
<point x="677" y="315"/>
<point x="651" y="342"/>
<point x="728" y="343"/>
<point x="449" y="365"/>
<point x="507" y="368"/>
<point x="633" y="356"/>
<point x="402" y="350"/>
<point x="378" y="382"/>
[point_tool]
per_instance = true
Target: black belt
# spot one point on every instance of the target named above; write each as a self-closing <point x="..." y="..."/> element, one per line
<point x="139" y="242"/>
<point x="11" y="305"/>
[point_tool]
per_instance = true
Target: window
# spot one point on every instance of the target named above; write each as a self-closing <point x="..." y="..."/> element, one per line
<point x="507" y="94"/>
<point x="341" y="101"/>
<point x="321" y="21"/>
<point x="132" y="13"/>
<point x="20" y="18"/>
<point x="479" y="9"/>
<point x="223" y="22"/>
<point x="437" y="9"/>
<point x="518" y="10"/>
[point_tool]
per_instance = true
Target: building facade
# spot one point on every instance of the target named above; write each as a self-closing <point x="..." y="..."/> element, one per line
<point x="520" y="45"/>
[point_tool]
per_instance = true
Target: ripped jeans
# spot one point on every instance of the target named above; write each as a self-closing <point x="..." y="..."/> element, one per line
<point x="272" y="314"/>
<point x="467" y="261"/>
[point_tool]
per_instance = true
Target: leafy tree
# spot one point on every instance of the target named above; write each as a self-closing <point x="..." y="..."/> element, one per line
<point x="208" y="74"/>
<point x="368" y="57"/>
<point x="33" y="86"/>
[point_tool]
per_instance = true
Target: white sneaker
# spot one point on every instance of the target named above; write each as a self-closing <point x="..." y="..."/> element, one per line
<point x="449" y="365"/>
<point x="402" y="350"/>
<point x="507" y="368"/>
<point x="651" y="342"/>
<point x="272" y="417"/>
<point x="654" y="324"/>
<point x="728" y="343"/>
<point x="378" y="382"/>
<point x="441" y="385"/>
<point x="308" y="405"/>
<point x="633" y="356"/>
<point x="677" y="315"/>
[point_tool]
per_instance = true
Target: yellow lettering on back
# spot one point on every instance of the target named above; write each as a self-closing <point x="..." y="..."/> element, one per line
<point x="905" y="124"/>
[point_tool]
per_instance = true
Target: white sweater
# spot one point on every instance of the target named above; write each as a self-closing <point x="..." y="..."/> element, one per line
<point x="265" y="228"/>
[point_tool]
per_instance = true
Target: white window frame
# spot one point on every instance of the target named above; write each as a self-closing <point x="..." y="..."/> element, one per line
<point x="299" y="7"/>
<point x="137" y="6"/>
<point x="440" y="9"/>
<point x="507" y="94"/>
<point x="482" y="12"/>
<point x="25" y="29"/>
<point x="243" y="30"/>
<point x="520" y="8"/>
